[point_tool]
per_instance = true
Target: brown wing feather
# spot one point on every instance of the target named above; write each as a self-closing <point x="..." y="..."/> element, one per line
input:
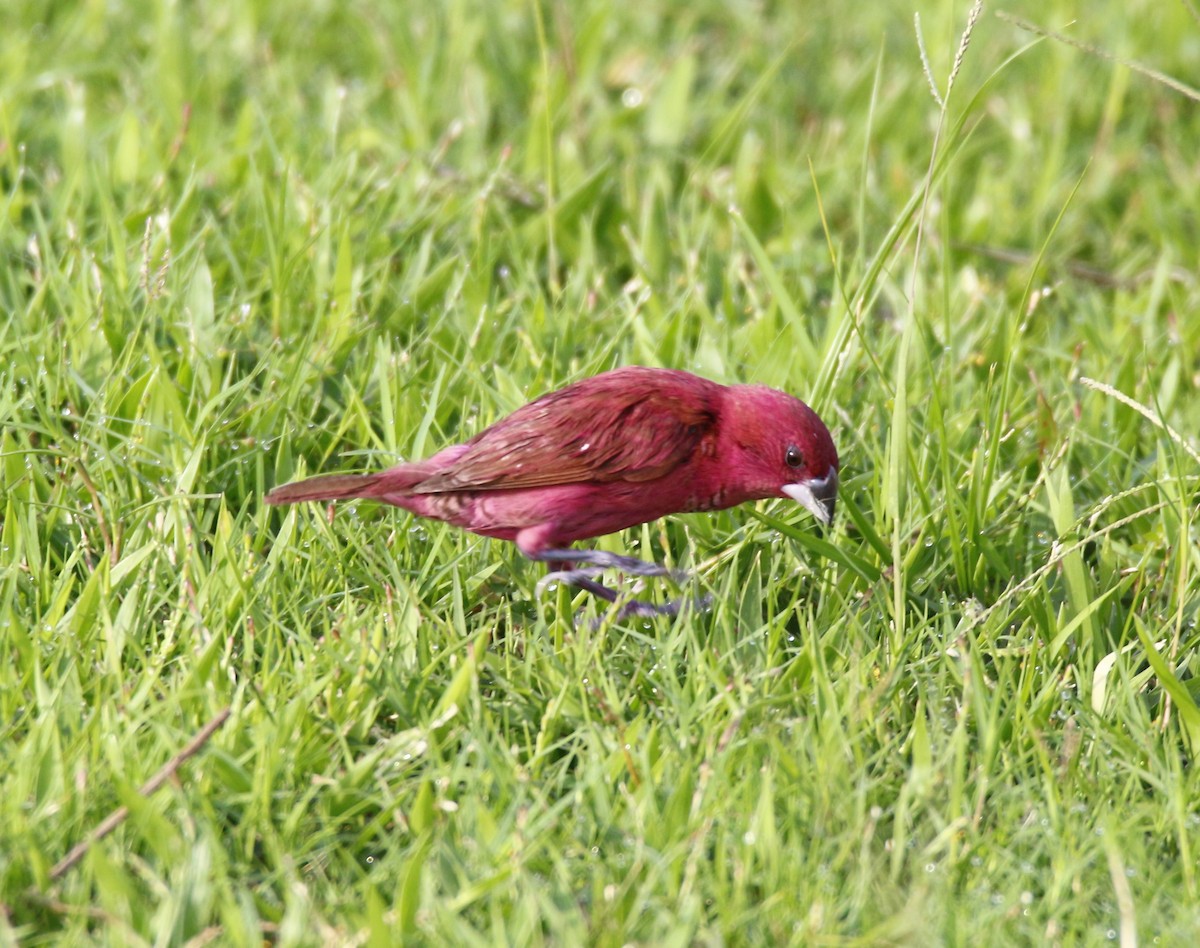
<point x="632" y="424"/>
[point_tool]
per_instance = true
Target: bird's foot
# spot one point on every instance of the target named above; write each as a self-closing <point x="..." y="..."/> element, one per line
<point x="581" y="578"/>
<point x="597" y="561"/>
<point x="642" y="609"/>
<point x="602" y="560"/>
<point x="638" y="608"/>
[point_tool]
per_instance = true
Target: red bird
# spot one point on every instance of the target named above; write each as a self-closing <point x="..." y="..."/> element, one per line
<point x="609" y="452"/>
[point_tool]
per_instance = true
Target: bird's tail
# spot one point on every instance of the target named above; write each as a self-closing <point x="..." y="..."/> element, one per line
<point x="327" y="487"/>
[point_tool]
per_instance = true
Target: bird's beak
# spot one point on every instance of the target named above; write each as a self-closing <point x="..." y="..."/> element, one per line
<point x="818" y="496"/>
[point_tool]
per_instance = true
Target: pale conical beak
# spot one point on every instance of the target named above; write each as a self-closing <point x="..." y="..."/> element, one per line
<point x="818" y="496"/>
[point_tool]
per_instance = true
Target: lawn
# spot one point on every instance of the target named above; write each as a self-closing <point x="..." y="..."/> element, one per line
<point x="245" y="242"/>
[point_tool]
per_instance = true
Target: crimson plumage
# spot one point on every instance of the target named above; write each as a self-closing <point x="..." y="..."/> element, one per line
<point x="609" y="452"/>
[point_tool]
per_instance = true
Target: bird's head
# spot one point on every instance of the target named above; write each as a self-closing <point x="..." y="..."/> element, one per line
<point x="781" y="448"/>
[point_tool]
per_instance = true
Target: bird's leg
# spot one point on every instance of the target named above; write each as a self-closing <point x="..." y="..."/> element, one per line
<point x="640" y="608"/>
<point x="584" y="578"/>
<point x="602" y="560"/>
<point x="580" y="578"/>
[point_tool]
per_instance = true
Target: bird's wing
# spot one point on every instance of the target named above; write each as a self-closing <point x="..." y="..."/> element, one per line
<point x="631" y="424"/>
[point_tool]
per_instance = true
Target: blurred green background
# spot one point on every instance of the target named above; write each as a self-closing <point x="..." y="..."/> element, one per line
<point x="247" y="241"/>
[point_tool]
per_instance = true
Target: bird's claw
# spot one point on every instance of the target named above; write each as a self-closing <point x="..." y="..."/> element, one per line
<point x="572" y="577"/>
<point x="597" y="561"/>
<point x="642" y="609"/>
<point x="602" y="560"/>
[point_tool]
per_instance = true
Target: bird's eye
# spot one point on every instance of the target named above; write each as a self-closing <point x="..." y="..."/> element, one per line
<point x="793" y="457"/>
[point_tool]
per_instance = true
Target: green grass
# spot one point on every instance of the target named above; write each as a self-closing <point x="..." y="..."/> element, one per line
<point x="247" y="241"/>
